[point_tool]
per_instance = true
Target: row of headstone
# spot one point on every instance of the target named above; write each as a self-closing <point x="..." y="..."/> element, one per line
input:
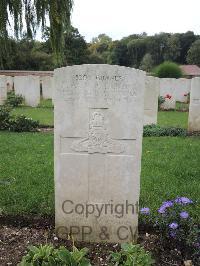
<point x="176" y="88"/>
<point x="28" y="87"/>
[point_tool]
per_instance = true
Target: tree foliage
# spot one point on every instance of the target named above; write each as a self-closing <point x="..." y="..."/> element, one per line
<point x="34" y="13"/>
<point x="193" y="56"/>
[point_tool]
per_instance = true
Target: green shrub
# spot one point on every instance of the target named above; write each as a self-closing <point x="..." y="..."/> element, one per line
<point x="168" y="70"/>
<point x="23" y="124"/>
<point x="157" y="131"/>
<point x="131" y="255"/>
<point x="13" y="99"/>
<point x="48" y="255"/>
<point x="4" y="117"/>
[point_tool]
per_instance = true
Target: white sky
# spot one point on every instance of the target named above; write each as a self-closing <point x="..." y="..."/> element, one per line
<point x="120" y="18"/>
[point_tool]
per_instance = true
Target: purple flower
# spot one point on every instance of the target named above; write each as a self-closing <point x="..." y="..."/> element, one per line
<point x="173" y="225"/>
<point x="145" y="210"/>
<point x="183" y="200"/>
<point x="161" y="210"/>
<point x="184" y="215"/>
<point x="172" y="234"/>
<point x="167" y="204"/>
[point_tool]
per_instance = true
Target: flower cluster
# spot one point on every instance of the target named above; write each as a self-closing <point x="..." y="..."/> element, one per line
<point x="168" y="96"/>
<point x="175" y="225"/>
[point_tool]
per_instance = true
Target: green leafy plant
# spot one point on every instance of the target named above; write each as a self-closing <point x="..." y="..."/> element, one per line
<point x="157" y="131"/>
<point x="22" y="123"/>
<point x="48" y="255"/>
<point x="4" y="117"/>
<point x="168" y="70"/>
<point x="161" y="100"/>
<point x="18" y="123"/>
<point x="130" y="255"/>
<point x="14" y="100"/>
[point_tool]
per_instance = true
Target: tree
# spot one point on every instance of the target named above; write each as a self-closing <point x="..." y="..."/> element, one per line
<point x="75" y="49"/>
<point x="172" y="52"/>
<point x="147" y="63"/>
<point x="34" y="13"/>
<point x="102" y="38"/>
<point x="186" y="40"/>
<point x="136" y="51"/>
<point x="193" y="56"/>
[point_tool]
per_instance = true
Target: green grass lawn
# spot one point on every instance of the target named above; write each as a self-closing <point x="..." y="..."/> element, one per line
<point x="44" y="114"/>
<point x="173" y="119"/>
<point x="170" y="168"/>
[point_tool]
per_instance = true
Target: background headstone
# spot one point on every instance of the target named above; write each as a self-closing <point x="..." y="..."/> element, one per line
<point x="98" y="145"/>
<point x="9" y="83"/>
<point x="47" y="87"/>
<point x="3" y="90"/>
<point x="182" y="87"/>
<point x="177" y="88"/>
<point x="167" y="86"/>
<point x="29" y="88"/>
<point x="194" y="109"/>
<point x="20" y="83"/>
<point x="152" y="86"/>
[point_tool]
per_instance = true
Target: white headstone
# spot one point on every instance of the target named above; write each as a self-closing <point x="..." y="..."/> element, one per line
<point x="194" y="110"/>
<point x="47" y="87"/>
<point x="3" y="90"/>
<point x="29" y="88"/>
<point x="10" y="83"/>
<point x="98" y="146"/>
<point x="152" y="87"/>
<point x="182" y="88"/>
<point x="167" y="86"/>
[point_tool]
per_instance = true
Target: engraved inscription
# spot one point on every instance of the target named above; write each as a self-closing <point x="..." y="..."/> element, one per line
<point x="98" y="140"/>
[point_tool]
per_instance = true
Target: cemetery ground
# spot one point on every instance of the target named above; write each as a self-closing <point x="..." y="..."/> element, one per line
<point x="170" y="168"/>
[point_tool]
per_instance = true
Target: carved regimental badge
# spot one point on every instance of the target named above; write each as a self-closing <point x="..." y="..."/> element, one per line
<point x="98" y="140"/>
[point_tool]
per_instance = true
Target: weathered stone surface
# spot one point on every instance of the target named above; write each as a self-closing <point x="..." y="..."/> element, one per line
<point x="29" y="88"/>
<point x="3" y="90"/>
<point x="47" y="87"/>
<point x="194" y="110"/>
<point x="152" y="86"/>
<point x="98" y="145"/>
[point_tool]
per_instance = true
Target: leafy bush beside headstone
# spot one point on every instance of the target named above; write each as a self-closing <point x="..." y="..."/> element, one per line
<point x="4" y="117"/>
<point x="157" y="131"/>
<point x="131" y="255"/>
<point x="18" y="123"/>
<point x="13" y="99"/>
<point x="48" y="255"/>
<point x="22" y="123"/>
